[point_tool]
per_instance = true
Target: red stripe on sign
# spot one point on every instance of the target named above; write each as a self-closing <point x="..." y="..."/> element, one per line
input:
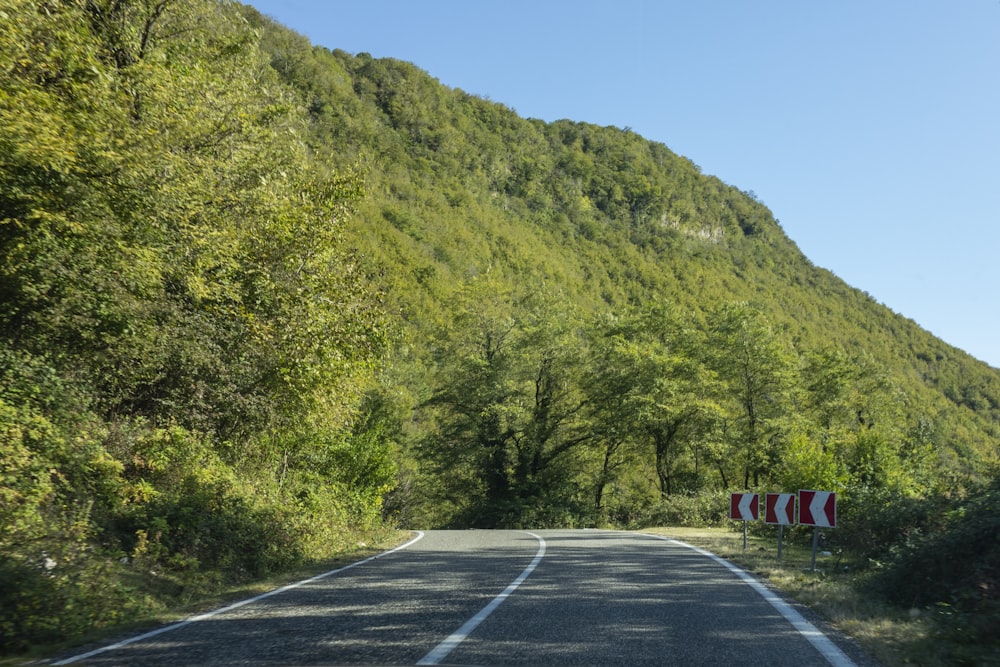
<point x="830" y="509"/>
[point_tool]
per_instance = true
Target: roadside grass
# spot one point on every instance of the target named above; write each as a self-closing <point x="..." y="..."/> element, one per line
<point x="200" y="599"/>
<point x="835" y="591"/>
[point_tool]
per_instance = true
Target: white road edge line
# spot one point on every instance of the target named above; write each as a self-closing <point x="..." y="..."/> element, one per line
<point x="441" y="651"/>
<point x="820" y="642"/>
<point x="235" y="605"/>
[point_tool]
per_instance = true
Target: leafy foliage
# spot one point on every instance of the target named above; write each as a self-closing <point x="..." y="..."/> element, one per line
<point x="507" y="407"/>
<point x="183" y="327"/>
<point x="949" y="562"/>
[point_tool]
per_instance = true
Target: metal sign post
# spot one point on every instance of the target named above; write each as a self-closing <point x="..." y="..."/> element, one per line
<point x="812" y="566"/>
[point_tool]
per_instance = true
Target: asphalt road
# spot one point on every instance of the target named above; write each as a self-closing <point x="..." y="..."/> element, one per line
<point x="502" y="598"/>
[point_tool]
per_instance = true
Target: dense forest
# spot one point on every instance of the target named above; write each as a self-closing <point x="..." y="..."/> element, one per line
<point x="261" y="301"/>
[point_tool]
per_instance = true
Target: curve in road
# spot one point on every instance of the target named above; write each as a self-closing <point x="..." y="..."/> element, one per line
<point x="502" y="598"/>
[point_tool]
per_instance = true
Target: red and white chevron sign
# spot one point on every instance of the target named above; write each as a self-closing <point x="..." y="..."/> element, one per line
<point x="818" y="508"/>
<point x="744" y="506"/>
<point x="779" y="508"/>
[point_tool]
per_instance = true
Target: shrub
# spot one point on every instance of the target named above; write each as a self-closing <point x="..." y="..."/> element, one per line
<point x="955" y="569"/>
<point x="957" y="565"/>
<point x="703" y="509"/>
<point x="61" y="588"/>
<point x="875" y="523"/>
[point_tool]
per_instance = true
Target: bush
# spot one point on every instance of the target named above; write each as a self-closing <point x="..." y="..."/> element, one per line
<point x="185" y="512"/>
<point x="956" y="570"/>
<point x="703" y="509"/>
<point x="62" y="589"/>
<point x="876" y="523"/>
<point x="205" y="528"/>
<point x="956" y="565"/>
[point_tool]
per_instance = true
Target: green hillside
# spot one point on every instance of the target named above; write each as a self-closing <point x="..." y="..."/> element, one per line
<point x="460" y="187"/>
<point x="263" y="301"/>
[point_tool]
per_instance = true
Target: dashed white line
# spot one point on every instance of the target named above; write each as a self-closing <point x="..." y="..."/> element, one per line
<point x="441" y="651"/>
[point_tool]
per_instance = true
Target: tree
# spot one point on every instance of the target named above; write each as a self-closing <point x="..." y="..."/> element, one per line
<point x="165" y="225"/>
<point x="506" y="401"/>
<point x="649" y="383"/>
<point x="756" y="370"/>
<point x="858" y="417"/>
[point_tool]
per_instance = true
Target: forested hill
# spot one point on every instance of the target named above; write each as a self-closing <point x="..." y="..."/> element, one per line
<point x="461" y="186"/>
<point x="261" y="301"/>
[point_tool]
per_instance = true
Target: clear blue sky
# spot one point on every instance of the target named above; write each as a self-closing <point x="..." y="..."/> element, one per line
<point x="871" y="128"/>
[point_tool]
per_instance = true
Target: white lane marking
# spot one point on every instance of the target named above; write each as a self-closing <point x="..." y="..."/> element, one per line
<point x="820" y="642"/>
<point x="235" y="605"/>
<point x="441" y="651"/>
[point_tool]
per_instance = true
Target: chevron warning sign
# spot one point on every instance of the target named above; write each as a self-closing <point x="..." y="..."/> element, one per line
<point x="744" y="506"/>
<point x="779" y="508"/>
<point x="818" y="508"/>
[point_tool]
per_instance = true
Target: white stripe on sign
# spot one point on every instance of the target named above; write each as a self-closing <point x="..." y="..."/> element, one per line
<point x="745" y="510"/>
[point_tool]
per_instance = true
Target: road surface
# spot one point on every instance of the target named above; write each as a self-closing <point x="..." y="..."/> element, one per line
<point x="554" y="597"/>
